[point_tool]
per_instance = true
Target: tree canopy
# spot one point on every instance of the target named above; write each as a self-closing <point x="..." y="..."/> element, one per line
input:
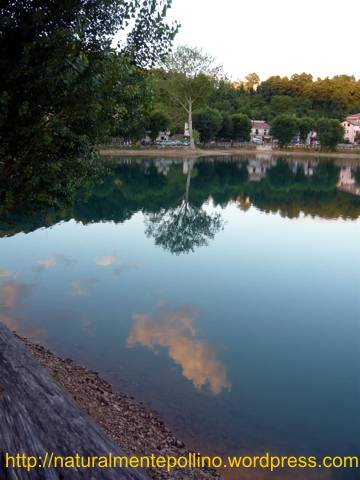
<point x="63" y="88"/>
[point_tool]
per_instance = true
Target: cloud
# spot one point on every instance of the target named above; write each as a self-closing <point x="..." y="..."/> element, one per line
<point x="4" y="273"/>
<point x="175" y="331"/>
<point x="106" y="261"/>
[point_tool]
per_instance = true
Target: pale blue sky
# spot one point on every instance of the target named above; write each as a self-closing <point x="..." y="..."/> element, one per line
<point x="274" y="36"/>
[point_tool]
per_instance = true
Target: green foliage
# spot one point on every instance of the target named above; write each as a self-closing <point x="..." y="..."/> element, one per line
<point x="241" y="127"/>
<point x="306" y="125"/>
<point x="158" y="122"/>
<point x="208" y="123"/>
<point x="186" y="79"/>
<point x="284" y="128"/>
<point x="227" y="128"/>
<point x="63" y="89"/>
<point x="330" y="132"/>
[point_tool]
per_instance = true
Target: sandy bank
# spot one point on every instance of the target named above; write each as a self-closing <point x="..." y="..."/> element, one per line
<point x="186" y="153"/>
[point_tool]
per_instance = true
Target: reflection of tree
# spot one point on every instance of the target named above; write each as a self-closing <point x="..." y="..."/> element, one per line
<point x="185" y="227"/>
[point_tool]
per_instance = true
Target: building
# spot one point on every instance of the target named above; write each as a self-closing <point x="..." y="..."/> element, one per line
<point x="260" y="131"/>
<point x="352" y="127"/>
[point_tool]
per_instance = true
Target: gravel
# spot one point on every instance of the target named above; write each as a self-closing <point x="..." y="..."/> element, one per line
<point x="134" y="427"/>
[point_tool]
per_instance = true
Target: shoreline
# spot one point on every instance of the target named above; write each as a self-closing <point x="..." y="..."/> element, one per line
<point x="185" y="153"/>
<point x="138" y="430"/>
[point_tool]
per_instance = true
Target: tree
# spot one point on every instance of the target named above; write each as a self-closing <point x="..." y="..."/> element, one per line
<point x="189" y="76"/>
<point x="284" y="128"/>
<point x="158" y="122"/>
<point x="241" y="127"/>
<point x="357" y="138"/>
<point x="63" y="89"/>
<point x="306" y="125"/>
<point x="208" y="122"/>
<point x="330" y="132"/>
<point x="227" y="129"/>
<point x="252" y="81"/>
<point x="185" y="227"/>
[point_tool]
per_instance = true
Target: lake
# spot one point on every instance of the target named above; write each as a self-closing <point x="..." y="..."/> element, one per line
<point x="223" y="292"/>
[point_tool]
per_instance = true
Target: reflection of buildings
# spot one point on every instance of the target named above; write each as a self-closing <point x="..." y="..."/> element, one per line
<point x="162" y="166"/>
<point x="347" y="181"/>
<point x="346" y="177"/>
<point x="308" y="166"/>
<point x="258" y="167"/>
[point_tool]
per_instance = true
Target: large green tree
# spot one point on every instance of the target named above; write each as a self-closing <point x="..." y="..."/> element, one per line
<point x="187" y="78"/>
<point x="63" y="88"/>
<point x="284" y="128"/>
<point x="208" y="123"/>
<point x="158" y="122"/>
<point x="330" y="132"/>
<point x="241" y="127"/>
<point x="305" y="125"/>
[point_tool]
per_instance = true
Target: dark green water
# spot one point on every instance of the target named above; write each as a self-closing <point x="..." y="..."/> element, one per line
<point x="225" y="294"/>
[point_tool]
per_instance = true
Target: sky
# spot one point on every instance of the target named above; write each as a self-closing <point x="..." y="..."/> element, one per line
<point x="274" y="37"/>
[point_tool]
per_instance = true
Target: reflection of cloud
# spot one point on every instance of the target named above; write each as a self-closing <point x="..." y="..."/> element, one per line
<point x="125" y="266"/>
<point x="12" y="292"/>
<point x="106" y="261"/>
<point x="53" y="261"/>
<point x="175" y="331"/>
<point x="4" y="273"/>
<point x="83" y="288"/>
<point x="47" y="263"/>
<point x="86" y="324"/>
<point x="15" y="324"/>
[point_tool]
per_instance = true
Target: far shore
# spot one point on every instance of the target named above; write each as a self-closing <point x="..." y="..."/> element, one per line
<point x="198" y="153"/>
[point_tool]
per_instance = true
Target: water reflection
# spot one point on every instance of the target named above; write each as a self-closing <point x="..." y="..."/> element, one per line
<point x="106" y="261"/>
<point x="185" y="227"/>
<point x="12" y="293"/>
<point x="270" y="366"/>
<point x="175" y="330"/>
<point x="173" y="195"/>
<point x="53" y="261"/>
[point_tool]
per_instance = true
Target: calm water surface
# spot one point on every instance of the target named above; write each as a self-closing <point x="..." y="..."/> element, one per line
<point x="225" y="294"/>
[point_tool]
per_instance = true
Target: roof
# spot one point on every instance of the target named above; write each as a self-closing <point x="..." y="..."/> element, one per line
<point x="356" y="123"/>
<point x="354" y="117"/>
<point x="260" y="124"/>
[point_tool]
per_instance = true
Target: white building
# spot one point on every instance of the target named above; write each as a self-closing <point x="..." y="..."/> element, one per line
<point x="260" y="131"/>
<point x="352" y="127"/>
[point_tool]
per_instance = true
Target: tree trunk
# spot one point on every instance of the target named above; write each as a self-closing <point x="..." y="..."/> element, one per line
<point x="191" y="133"/>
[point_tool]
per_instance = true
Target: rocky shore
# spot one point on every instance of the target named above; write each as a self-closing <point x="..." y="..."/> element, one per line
<point x="135" y="428"/>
